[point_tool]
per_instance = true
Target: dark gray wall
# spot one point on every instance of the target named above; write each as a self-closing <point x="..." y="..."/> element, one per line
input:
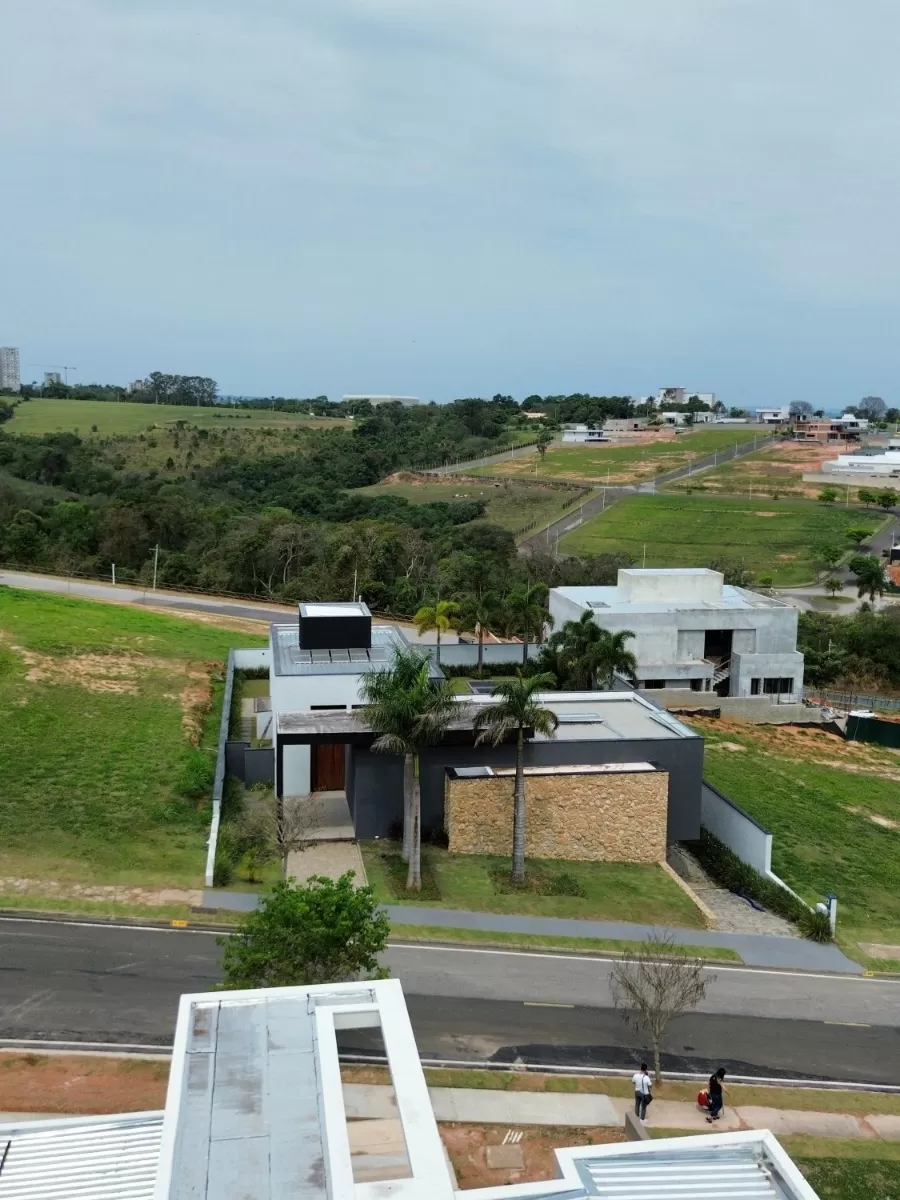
<point x="378" y="779"/>
<point x="250" y="764"/>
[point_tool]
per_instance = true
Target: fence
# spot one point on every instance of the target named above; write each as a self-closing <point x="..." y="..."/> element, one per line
<point x="850" y="700"/>
<point x="465" y="654"/>
<point x="495" y="454"/>
<point x="870" y="729"/>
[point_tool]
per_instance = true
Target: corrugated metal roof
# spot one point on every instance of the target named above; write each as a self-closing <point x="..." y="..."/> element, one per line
<point x="103" y="1158"/>
<point x="738" y="1172"/>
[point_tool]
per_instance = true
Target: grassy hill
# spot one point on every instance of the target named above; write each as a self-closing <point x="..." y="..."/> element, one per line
<point x="777" y="537"/>
<point x="109" y="718"/>
<point x="99" y="418"/>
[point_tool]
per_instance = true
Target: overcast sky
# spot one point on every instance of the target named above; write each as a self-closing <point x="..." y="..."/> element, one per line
<point x="455" y="198"/>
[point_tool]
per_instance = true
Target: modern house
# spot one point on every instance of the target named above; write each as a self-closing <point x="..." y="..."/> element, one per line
<point x="256" y="1110"/>
<point x="694" y="631"/>
<point x="847" y="428"/>
<point x="774" y="416"/>
<point x="863" y="467"/>
<point x="584" y="433"/>
<point x="322" y="744"/>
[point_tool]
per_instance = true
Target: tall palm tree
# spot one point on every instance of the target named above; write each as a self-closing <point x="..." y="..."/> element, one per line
<point x="440" y="616"/>
<point x="616" y="659"/>
<point x="408" y="710"/>
<point x="514" y="710"/>
<point x="477" y="616"/>
<point x="528" y="607"/>
<point x="575" y="653"/>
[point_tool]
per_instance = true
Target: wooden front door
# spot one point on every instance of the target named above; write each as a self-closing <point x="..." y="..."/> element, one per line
<point x="328" y="767"/>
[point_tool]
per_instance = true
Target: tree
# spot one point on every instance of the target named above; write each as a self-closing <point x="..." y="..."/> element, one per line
<point x="545" y="440"/>
<point x="869" y="573"/>
<point x="887" y="499"/>
<point x="527" y="608"/>
<point x="323" y="931"/>
<point x="408" y="710"/>
<point x="831" y="555"/>
<point x="654" y="984"/>
<point x="828" y="495"/>
<point x="834" y="585"/>
<point x="278" y="830"/>
<point x="440" y="616"/>
<point x="514" y="710"/>
<point x="857" y="535"/>
<point x="800" y="409"/>
<point x="872" y="408"/>
<point x="867" y="496"/>
<point x="689" y="418"/>
<point x="478" y="613"/>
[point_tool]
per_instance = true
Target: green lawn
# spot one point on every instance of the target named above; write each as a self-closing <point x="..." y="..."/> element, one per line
<point x="777" y="537"/>
<point x="615" y="891"/>
<point x="511" y="505"/>
<point x="623" y="464"/>
<point x="538" y="941"/>
<point x="848" y="1168"/>
<point x="820" y="816"/>
<point x="109" y="718"/>
<point x="54" y="416"/>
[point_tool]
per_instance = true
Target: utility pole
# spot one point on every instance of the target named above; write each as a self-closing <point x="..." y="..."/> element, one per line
<point x="114" y="574"/>
<point x="355" y="573"/>
<point x="645" y="555"/>
<point x="155" y="563"/>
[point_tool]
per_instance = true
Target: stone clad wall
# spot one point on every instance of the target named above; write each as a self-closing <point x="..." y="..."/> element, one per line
<point x="615" y="817"/>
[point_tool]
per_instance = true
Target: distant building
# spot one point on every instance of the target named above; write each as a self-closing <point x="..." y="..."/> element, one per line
<point x="680" y="395"/>
<point x="406" y="401"/>
<point x="583" y="433"/>
<point x="136" y="385"/>
<point x="52" y="377"/>
<point x="681" y="418"/>
<point x="773" y="416"/>
<point x="847" y="428"/>
<point x="10" y="380"/>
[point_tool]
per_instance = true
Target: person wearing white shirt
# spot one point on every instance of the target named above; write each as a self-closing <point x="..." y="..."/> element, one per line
<point x="642" y="1096"/>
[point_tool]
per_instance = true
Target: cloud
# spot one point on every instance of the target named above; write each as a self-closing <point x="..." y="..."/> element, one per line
<point x="627" y="182"/>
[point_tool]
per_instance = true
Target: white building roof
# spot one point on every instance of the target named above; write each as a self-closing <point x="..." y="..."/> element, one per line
<point x="289" y="659"/>
<point x="98" y="1158"/>
<point x="609" y="599"/>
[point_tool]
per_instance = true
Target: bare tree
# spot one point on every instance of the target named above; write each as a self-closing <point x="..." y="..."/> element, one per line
<point x="654" y="984"/>
<point x="270" y="830"/>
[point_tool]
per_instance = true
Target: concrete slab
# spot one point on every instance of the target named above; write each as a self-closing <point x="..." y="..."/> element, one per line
<point x="376" y="1136"/>
<point x="521" y="1108"/>
<point x="789" y="1120"/>
<point x="886" y="1125"/>
<point x="675" y="1114"/>
<point x="505" y="1158"/>
<point x="331" y="859"/>
<point x="369" y="1101"/>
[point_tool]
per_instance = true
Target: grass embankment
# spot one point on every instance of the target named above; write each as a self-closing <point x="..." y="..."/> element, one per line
<point x="613" y="891"/>
<point x="80" y="416"/>
<point x="776" y="470"/>
<point x="776" y="537"/>
<point x="512" y="505"/>
<point x="110" y="718"/>
<point x="537" y="941"/>
<point x="613" y="463"/>
<point x="834" y="810"/>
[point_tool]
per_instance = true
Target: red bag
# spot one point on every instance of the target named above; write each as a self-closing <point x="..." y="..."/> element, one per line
<point x="703" y="1099"/>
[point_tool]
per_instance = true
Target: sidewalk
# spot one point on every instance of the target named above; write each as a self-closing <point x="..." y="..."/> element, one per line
<point x="485" y="1106"/>
<point x="757" y="950"/>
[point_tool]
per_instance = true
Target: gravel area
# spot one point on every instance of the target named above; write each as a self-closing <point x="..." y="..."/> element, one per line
<point x="733" y="915"/>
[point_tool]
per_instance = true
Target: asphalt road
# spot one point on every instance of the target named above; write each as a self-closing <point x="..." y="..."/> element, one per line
<point x="113" y="984"/>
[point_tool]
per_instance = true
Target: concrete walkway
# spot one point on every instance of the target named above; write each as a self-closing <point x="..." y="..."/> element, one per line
<point x="757" y="950"/>
<point x="498" y="1107"/>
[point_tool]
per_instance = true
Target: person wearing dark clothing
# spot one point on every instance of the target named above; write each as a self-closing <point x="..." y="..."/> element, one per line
<point x="642" y="1096"/>
<point x="716" y="1099"/>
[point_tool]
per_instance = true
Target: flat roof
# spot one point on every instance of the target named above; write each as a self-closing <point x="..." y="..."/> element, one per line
<point x="584" y="717"/>
<point x="289" y="659"/>
<point x="337" y="608"/>
<point x="609" y="599"/>
<point x="578" y="769"/>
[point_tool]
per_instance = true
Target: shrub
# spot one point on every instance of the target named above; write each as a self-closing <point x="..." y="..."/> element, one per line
<point x="567" y="884"/>
<point x="815" y="925"/>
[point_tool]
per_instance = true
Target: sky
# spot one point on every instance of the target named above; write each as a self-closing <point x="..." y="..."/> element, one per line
<point x="444" y="199"/>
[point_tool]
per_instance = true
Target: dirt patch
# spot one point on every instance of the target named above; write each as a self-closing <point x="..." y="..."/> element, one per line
<point x="238" y="624"/>
<point x="79" y="1084"/>
<point x="765" y="514"/>
<point x="196" y="701"/>
<point x="731" y="746"/>
<point x="14" y="885"/>
<point x="807" y="743"/>
<point x="786" y="557"/>
<point x="875" y="818"/>
<point x="467" y="1145"/>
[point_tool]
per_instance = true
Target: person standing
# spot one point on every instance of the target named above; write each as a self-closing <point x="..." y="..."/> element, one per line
<point x="716" y="1099"/>
<point x="642" y="1095"/>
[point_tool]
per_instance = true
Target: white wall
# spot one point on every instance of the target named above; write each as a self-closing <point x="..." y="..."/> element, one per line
<point x="300" y="693"/>
<point x="743" y="837"/>
<point x="253" y="659"/>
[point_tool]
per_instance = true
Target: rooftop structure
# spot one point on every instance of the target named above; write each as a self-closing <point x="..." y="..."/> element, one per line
<point x="885" y="465"/>
<point x="692" y="630"/>
<point x="255" y="1111"/>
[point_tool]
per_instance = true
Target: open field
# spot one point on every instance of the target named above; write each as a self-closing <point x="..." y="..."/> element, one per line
<point x="615" y="891"/>
<point x="511" y="505"/>
<point x="834" y="810"/>
<point x="82" y="416"/>
<point x="634" y="463"/>
<point x="774" y="471"/>
<point x="777" y="537"/>
<point x="109" y="719"/>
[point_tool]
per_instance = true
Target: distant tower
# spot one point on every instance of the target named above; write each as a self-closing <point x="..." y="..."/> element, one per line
<point x="52" y="377"/>
<point x="9" y="369"/>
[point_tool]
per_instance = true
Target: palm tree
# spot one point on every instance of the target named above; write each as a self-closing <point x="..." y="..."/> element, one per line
<point x="408" y="710"/>
<point x="478" y="614"/>
<point x="440" y="616"/>
<point x="516" y="709"/>
<point x="528" y="607"/>
<point x="582" y="654"/>
<point x="617" y="659"/>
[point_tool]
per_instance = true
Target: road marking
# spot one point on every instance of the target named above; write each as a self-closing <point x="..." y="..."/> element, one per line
<point x="110" y="925"/>
<point x="544" y="1004"/>
<point x="850" y="1024"/>
<point x="715" y="970"/>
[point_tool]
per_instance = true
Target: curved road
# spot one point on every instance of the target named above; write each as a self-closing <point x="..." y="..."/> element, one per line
<point x="84" y="982"/>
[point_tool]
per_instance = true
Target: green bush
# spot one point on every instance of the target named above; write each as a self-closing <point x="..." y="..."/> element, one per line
<point x="815" y="925"/>
<point x="729" y="871"/>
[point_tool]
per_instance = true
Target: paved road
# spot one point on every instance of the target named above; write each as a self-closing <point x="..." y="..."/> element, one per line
<point x="97" y="983"/>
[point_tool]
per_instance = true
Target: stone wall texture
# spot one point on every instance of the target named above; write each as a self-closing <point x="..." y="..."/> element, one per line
<point x="616" y="817"/>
